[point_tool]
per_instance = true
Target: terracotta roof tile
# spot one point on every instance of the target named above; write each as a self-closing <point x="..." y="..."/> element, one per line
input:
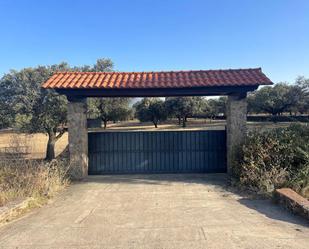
<point x="171" y="79"/>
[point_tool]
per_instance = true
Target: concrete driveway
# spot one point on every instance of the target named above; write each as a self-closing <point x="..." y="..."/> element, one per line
<point x="156" y="211"/>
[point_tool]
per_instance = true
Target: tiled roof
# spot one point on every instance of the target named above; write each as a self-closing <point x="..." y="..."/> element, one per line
<point x="171" y="79"/>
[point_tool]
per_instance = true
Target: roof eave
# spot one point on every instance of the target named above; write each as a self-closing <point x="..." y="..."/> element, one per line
<point x="156" y="92"/>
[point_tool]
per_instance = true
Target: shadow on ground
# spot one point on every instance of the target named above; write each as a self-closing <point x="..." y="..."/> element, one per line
<point x="220" y="179"/>
<point x="273" y="211"/>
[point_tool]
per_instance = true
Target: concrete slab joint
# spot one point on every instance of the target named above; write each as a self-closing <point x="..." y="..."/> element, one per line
<point x="78" y="137"/>
<point x="235" y="127"/>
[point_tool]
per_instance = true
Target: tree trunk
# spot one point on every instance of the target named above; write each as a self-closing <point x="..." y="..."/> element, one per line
<point x="155" y="122"/>
<point x="50" y="151"/>
<point x="179" y="121"/>
<point x="105" y="124"/>
<point x="184" y="124"/>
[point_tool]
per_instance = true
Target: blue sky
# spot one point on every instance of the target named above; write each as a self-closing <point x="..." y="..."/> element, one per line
<point x="152" y="35"/>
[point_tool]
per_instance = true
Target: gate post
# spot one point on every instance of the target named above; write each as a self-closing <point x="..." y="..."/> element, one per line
<point x="236" y="127"/>
<point x="78" y="136"/>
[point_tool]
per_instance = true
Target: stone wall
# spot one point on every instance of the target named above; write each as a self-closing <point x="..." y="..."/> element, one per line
<point x="236" y="128"/>
<point x="292" y="201"/>
<point x="78" y="137"/>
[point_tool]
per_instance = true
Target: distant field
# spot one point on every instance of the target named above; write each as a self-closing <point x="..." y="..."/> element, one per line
<point x="192" y="124"/>
<point x="34" y="145"/>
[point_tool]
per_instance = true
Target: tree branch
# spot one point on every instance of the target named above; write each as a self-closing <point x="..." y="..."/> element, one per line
<point x="59" y="135"/>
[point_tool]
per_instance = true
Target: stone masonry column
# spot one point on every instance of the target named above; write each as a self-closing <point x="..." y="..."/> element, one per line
<point x="235" y="127"/>
<point x="78" y="136"/>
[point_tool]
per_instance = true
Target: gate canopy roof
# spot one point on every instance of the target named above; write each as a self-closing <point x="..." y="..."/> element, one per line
<point x="166" y="83"/>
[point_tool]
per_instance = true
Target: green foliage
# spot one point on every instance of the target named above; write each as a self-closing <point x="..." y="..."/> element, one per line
<point x="22" y="93"/>
<point x="184" y="107"/>
<point x="6" y="116"/>
<point x="109" y="109"/>
<point x="301" y="91"/>
<point x="32" y="109"/>
<point x="264" y="163"/>
<point x="151" y="109"/>
<point x="252" y="104"/>
<point x="275" y="158"/>
<point x="281" y="98"/>
<point x="171" y="106"/>
<point x="101" y="65"/>
<point x="22" y="120"/>
<point x="274" y="100"/>
<point x="216" y="107"/>
<point x="300" y="180"/>
<point x="49" y="113"/>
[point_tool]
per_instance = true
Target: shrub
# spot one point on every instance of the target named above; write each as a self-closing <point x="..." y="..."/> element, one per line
<point x="300" y="180"/>
<point x="275" y="158"/>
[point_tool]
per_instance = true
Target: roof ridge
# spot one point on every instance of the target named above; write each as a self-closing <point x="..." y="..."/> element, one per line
<point x="171" y="71"/>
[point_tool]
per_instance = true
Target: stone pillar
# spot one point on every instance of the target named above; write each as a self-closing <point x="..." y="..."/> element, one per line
<point x="78" y="136"/>
<point x="235" y="127"/>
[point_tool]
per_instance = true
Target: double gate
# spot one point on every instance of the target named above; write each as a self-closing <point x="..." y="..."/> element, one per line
<point x="147" y="152"/>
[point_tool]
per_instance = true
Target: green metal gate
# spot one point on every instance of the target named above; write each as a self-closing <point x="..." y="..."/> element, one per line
<point x="157" y="152"/>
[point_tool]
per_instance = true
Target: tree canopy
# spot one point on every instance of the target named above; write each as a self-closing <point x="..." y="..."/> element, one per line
<point x="151" y="109"/>
<point x="301" y="92"/>
<point x="109" y="109"/>
<point x="281" y="98"/>
<point x="30" y="108"/>
<point x="216" y="107"/>
<point x="184" y="107"/>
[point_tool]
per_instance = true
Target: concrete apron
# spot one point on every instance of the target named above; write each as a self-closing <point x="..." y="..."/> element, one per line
<point x="156" y="211"/>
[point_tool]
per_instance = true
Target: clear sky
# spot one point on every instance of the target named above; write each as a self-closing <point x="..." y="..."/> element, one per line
<point x="152" y="35"/>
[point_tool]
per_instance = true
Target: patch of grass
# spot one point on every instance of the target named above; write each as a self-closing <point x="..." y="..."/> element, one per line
<point x="22" y="178"/>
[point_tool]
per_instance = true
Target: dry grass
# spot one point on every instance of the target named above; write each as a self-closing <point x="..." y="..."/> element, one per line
<point x="22" y="178"/>
<point x="33" y="145"/>
<point x="27" y="183"/>
<point x="192" y="124"/>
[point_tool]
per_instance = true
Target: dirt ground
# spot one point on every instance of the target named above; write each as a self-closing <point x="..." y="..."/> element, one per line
<point x="34" y="145"/>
